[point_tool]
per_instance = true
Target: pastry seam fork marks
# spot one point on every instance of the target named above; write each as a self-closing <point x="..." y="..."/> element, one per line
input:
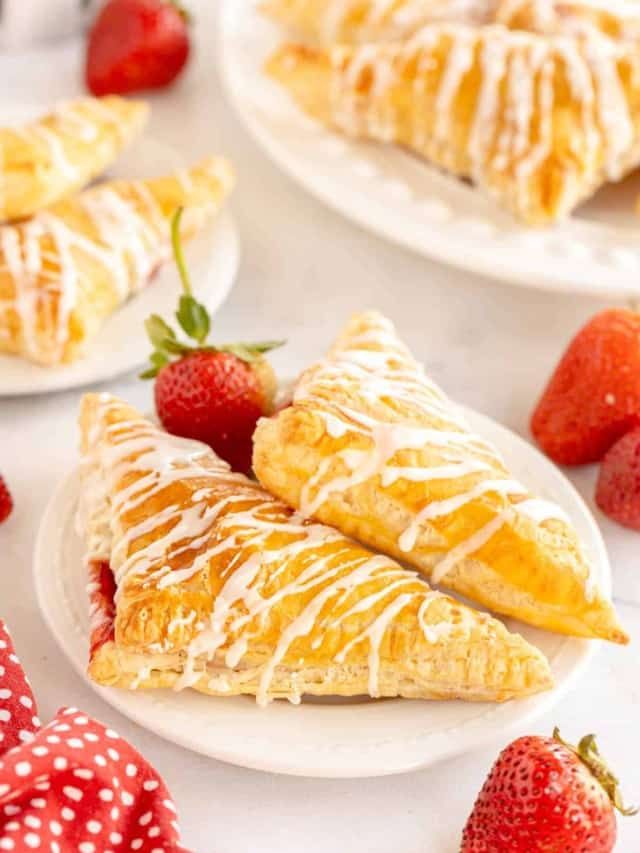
<point x="374" y="375"/>
<point x="157" y="459"/>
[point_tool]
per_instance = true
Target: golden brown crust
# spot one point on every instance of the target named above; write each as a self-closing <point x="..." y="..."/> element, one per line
<point x="65" y="271"/>
<point x="473" y="528"/>
<point x="363" y="21"/>
<point x="537" y="122"/>
<point x="60" y="153"/>
<point x="223" y="588"/>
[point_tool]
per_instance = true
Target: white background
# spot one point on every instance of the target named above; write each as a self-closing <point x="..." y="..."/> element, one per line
<point x="304" y="270"/>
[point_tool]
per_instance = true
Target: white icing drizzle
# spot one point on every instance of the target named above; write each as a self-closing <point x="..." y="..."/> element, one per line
<point x="258" y="575"/>
<point x="363" y="21"/>
<point x="512" y="121"/>
<point x="437" y="509"/>
<point x="84" y="123"/>
<point x="539" y="511"/>
<point x="47" y="283"/>
<point x="392" y="19"/>
<point x="469" y="546"/>
<point x="374" y="380"/>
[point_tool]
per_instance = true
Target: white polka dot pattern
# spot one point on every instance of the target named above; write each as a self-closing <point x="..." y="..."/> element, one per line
<point x="73" y="785"/>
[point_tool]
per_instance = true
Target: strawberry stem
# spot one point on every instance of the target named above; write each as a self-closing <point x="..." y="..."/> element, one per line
<point x="588" y="753"/>
<point x="193" y="319"/>
<point x="176" y="242"/>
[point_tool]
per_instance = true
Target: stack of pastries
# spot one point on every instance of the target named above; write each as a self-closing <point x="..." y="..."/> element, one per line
<point x="315" y="580"/>
<point x="536" y="101"/>
<point x="70" y="253"/>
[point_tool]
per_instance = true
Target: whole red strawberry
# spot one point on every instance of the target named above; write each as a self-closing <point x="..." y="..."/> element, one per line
<point x="545" y="796"/>
<point x="593" y="398"/>
<point x="6" y="501"/>
<point x="217" y="398"/>
<point x="618" y="488"/>
<point x="136" y="44"/>
<point x="214" y="394"/>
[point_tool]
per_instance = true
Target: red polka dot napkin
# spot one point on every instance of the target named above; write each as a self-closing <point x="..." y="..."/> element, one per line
<point x="73" y="786"/>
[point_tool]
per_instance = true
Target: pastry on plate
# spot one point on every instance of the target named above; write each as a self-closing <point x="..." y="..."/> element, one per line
<point x="371" y="446"/>
<point x="60" y="153"/>
<point x="361" y="21"/>
<point x="618" y="20"/>
<point x="63" y="272"/>
<point x="538" y="122"/>
<point x="199" y="578"/>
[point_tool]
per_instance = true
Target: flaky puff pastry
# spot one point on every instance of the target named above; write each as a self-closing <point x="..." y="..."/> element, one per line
<point x="199" y="578"/>
<point x="60" y="153"/>
<point x="63" y="272"/>
<point x="371" y="446"/>
<point x="537" y="122"/>
<point x="619" y="20"/>
<point x="362" y="21"/>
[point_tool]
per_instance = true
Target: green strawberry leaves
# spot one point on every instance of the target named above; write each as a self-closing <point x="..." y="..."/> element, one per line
<point x="251" y="352"/>
<point x="194" y="321"/>
<point x="193" y="318"/>
<point x="158" y="330"/>
<point x="588" y="752"/>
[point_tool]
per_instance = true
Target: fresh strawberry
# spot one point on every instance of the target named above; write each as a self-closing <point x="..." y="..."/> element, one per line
<point x="593" y="398"/>
<point x="136" y="44"/>
<point x="545" y="796"/>
<point x="618" y="488"/>
<point x="214" y="397"/>
<point x="6" y="501"/>
<point x="214" y="394"/>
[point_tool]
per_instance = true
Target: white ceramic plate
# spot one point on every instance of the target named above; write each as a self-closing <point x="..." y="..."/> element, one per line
<point x="122" y="344"/>
<point x="403" y="199"/>
<point x="358" y="737"/>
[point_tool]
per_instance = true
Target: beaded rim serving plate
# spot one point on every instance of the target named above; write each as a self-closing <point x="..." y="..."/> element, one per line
<point x="341" y="738"/>
<point x="403" y="199"/>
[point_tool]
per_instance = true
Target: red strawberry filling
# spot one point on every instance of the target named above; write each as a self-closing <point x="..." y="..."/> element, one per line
<point x="102" y="590"/>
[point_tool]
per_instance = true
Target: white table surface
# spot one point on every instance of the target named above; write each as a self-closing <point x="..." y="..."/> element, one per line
<point x="304" y="270"/>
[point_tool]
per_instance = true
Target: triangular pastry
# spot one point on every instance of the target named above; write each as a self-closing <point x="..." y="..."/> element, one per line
<point x="60" y="153"/>
<point x="616" y="19"/>
<point x="362" y="21"/>
<point x="63" y="272"/>
<point x="371" y="446"/>
<point x="199" y="578"/>
<point x="537" y="122"/>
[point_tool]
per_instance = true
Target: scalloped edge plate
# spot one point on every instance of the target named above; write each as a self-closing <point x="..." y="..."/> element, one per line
<point x="340" y="739"/>
<point x="403" y="199"/>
